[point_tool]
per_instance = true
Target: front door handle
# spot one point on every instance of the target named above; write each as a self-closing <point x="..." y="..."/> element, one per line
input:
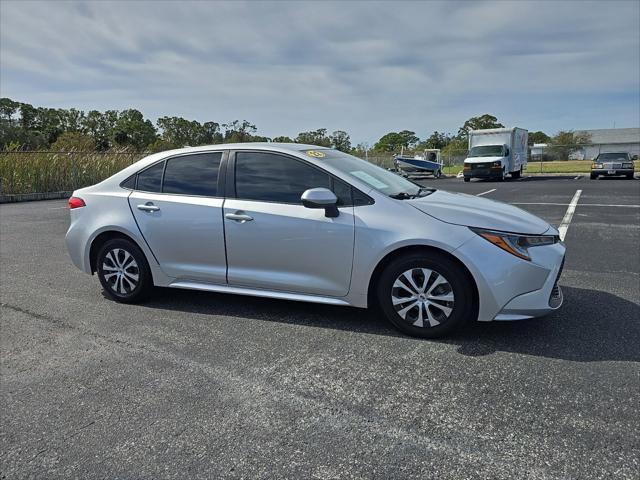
<point x="238" y="217"/>
<point x="148" y="207"/>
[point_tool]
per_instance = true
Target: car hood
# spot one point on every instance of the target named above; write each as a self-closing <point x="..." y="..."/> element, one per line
<point x="471" y="211"/>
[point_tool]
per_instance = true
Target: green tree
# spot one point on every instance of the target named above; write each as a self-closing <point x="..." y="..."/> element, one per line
<point x="340" y="141"/>
<point x="179" y="132"/>
<point x="100" y="126"/>
<point x="131" y="129"/>
<point x="409" y="138"/>
<point x="436" y="140"/>
<point x="8" y="108"/>
<point x="482" y="122"/>
<point x="538" y="137"/>
<point x="74" y="142"/>
<point x="456" y="150"/>
<point x="390" y="142"/>
<point x="160" y="145"/>
<point x="315" y="137"/>
<point x="283" y="139"/>
<point x="567" y="142"/>
<point x="238" y="131"/>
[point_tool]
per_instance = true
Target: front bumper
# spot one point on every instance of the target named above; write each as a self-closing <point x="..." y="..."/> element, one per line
<point x="482" y="173"/>
<point x="510" y="288"/>
<point x="612" y="172"/>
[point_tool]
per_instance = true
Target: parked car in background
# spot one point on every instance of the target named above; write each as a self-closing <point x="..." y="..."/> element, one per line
<point x="301" y="222"/>
<point x="612" y="164"/>
<point x="496" y="153"/>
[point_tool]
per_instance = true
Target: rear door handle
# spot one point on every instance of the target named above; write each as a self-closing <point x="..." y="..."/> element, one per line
<point x="148" y="207"/>
<point x="238" y="217"/>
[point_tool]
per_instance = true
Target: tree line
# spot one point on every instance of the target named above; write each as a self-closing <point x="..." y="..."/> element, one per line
<point x="25" y="127"/>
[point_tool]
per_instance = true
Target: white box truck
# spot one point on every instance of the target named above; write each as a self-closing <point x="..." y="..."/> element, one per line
<point x="496" y="153"/>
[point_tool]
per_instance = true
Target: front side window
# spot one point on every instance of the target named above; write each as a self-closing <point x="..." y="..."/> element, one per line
<point x="195" y="174"/>
<point x="376" y="177"/>
<point x="150" y="179"/>
<point x="269" y="177"/>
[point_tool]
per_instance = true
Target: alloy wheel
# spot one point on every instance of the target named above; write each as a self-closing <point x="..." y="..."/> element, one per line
<point x="120" y="271"/>
<point x="422" y="297"/>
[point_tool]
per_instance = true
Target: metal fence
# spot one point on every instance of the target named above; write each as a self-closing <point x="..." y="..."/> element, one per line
<point x="44" y="171"/>
<point x="540" y="158"/>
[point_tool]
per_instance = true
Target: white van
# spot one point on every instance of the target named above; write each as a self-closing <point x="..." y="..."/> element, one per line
<point x="496" y="153"/>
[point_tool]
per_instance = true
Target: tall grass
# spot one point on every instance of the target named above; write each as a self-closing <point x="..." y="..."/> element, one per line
<point x="37" y="172"/>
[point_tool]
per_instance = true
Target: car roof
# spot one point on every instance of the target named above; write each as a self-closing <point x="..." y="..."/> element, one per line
<point x="293" y="147"/>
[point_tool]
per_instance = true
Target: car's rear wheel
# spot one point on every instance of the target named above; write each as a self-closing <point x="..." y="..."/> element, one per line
<point x="123" y="271"/>
<point x="467" y="179"/>
<point x="517" y="174"/>
<point x="426" y="295"/>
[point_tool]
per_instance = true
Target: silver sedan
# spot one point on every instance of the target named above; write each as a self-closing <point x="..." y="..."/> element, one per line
<point x="307" y="223"/>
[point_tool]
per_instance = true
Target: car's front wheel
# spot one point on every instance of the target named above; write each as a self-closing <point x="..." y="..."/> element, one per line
<point x="593" y="176"/>
<point x="123" y="271"/>
<point x="426" y="295"/>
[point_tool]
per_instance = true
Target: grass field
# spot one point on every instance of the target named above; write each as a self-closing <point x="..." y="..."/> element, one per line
<point x="40" y="172"/>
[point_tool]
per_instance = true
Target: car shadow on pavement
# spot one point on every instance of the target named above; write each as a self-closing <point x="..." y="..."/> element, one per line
<point x="591" y="325"/>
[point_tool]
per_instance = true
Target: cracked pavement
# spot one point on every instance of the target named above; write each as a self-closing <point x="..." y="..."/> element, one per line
<point x="201" y="385"/>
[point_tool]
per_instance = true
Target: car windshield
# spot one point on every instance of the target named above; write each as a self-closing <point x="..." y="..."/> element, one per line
<point x="613" y="157"/>
<point x="486" y="151"/>
<point x="376" y="177"/>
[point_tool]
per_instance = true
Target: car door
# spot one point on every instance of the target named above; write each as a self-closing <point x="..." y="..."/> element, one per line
<point x="273" y="241"/>
<point x="178" y="207"/>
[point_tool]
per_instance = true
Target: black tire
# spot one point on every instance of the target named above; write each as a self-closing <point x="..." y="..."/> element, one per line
<point x="458" y="283"/>
<point x="118" y="286"/>
<point x="502" y="177"/>
<point x="629" y="176"/>
<point x="467" y="179"/>
<point x="517" y="174"/>
<point x="593" y="176"/>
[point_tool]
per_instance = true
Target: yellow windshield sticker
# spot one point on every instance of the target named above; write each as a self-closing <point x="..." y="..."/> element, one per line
<point x="315" y="153"/>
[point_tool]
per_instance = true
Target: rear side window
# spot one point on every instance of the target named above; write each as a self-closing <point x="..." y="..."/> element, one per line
<point x="150" y="180"/>
<point x="193" y="174"/>
<point x="270" y="177"/>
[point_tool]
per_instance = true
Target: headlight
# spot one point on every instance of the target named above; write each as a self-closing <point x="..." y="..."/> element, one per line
<point x="515" y="244"/>
<point x="496" y="164"/>
<point x="596" y="165"/>
<point x="627" y="165"/>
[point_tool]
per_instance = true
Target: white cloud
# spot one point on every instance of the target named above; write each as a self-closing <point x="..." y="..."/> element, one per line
<point x="364" y="67"/>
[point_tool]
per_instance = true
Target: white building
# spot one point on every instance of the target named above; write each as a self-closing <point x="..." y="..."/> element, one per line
<point x="611" y="140"/>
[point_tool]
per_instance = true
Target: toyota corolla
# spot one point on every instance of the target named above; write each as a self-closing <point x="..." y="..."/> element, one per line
<point x="307" y="223"/>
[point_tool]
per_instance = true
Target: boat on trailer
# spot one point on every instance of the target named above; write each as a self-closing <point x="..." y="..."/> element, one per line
<point x="427" y="163"/>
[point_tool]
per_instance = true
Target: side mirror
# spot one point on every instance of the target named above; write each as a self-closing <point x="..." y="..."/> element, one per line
<point x="321" y="198"/>
<point x="506" y="151"/>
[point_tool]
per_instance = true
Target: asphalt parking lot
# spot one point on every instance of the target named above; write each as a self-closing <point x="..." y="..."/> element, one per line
<point x="200" y="385"/>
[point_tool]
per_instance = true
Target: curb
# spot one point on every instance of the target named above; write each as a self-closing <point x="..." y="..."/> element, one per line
<point x="32" y="197"/>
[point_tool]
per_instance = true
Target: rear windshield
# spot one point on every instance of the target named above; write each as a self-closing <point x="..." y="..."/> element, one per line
<point x="615" y="157"/>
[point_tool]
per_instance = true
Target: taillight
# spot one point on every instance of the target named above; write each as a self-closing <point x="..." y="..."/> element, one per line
<point x="76" y="202"/>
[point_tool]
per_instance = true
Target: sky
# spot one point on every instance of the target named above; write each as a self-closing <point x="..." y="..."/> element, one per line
<point x="364" y="67"/>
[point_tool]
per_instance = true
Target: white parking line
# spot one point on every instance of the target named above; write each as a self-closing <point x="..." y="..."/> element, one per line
<point x="57" y="208"/>
<point x="566" y="220"/>
<point x="484" y="193"/>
